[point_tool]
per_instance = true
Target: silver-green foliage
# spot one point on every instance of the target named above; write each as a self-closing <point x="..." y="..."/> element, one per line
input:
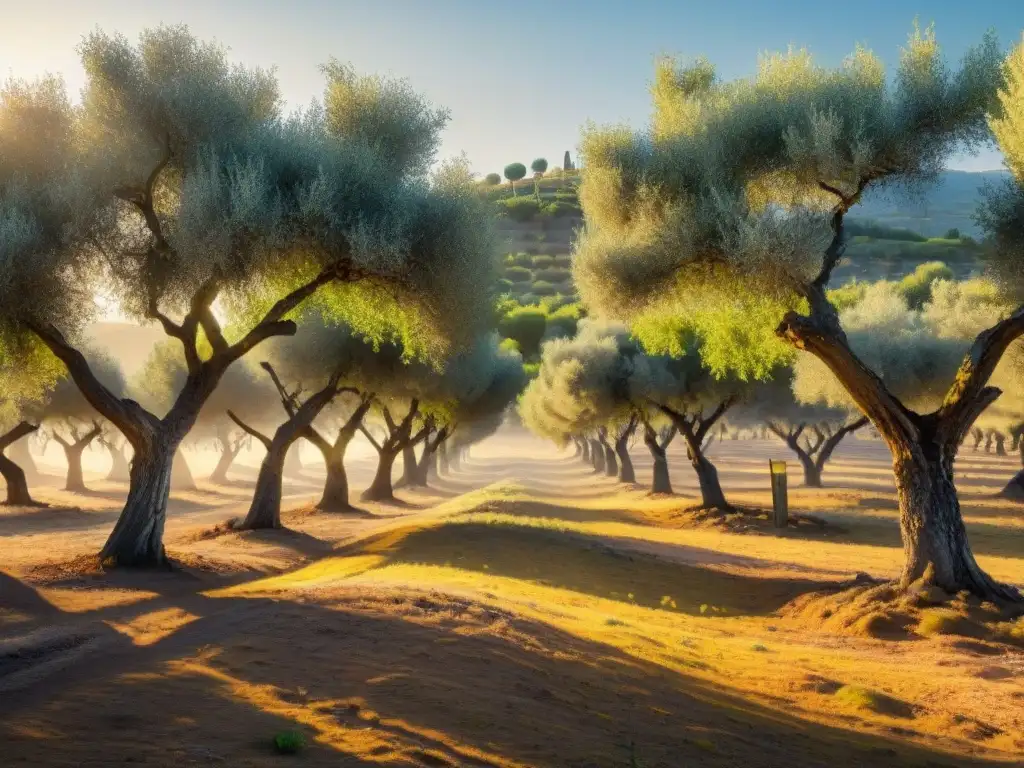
<point x="725" y="201"/>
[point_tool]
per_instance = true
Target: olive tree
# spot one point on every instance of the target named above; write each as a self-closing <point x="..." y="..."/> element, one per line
<point x="163" y="376"/>
<point x="588" y="387"/>
<point x="812" y="432"/>
<point x="265" y="508"/>
<point x="71" y="421"/>
<point x="179" y="187"/>
<point x="737" y="197"/>
<point x="476" y="390"/>
<point x="320" y="349"/>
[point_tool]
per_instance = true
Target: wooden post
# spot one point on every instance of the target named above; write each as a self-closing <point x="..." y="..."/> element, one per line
<point x="780" y="498"/>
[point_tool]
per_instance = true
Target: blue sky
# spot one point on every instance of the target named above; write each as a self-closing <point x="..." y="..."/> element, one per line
<point x="519" y="77"/>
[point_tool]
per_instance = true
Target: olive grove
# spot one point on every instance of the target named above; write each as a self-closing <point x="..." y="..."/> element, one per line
<point x="180" y="189"/>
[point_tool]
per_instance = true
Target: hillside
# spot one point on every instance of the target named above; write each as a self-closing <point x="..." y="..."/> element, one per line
<point x="948" y="204"/>
<point x="891" y="233"/>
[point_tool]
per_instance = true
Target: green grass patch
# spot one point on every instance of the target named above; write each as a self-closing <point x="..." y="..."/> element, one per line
<point x="289" y="742"/>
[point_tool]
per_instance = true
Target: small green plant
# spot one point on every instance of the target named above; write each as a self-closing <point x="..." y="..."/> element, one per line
<point x="519" y="208"/>
<point x="492" y="179"/>
<point x="289" y="742"/>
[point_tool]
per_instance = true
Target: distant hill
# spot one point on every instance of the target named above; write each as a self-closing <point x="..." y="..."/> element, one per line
<point x="949" y="204"/>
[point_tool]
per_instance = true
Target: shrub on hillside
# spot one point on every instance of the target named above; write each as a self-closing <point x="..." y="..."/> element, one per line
<point x="561" y="208"/>
<point x="563" y="260"/>
<point x="518" y="274"/>
<point x="521" y="259"/>
<point x="542" y="261"/>
<point x="564" y="320"/>
<point x="847" y="295"/>
<point x="555" y="275"/>
<point x="872" y="229"/>
<point x="504" y="286"/>
<point x="492" y="179"/>
<point x="526" y="325"/>
<point x="519" y="208"/>
<point x="917" y="286"/>
<point x="543" y="288"/>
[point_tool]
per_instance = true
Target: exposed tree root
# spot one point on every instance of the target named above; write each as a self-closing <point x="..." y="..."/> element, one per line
<point x="868" y="607"/>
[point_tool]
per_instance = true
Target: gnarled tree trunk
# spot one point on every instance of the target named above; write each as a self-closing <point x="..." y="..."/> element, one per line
<point x="694" y="430"/>
<point x="1000" y="444"/>
<point x="585" y="450"/>
<point x="75" y="480"/>
<point x="137" y="538"/>
<point x="265" y="509"/>
<point x="229" y="450"/>
<point x="597" y="455"/>
<point x="934" y="536"/>
<point x="923" y="446"/>
<point x="120" y="469"/>
<point x="410" y="471"/>
<point x="661" y="481"/>
<point x="381" y="489"/>
<point x="626" y="472"/>
<point x="611" y="466"/>
<point x="73" y="450"/>
<point x="14" y="476"/>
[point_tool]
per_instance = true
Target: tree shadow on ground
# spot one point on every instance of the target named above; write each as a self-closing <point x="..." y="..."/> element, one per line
<point x="15" y="521"/>
<point x="383" y="676"/>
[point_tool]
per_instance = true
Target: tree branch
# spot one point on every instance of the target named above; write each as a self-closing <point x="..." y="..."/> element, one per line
<point x="366" y="433"/>
<point x="969" y="396"/>
<point x="288" y="399"/>
<point x="864" y="386"/>
<point x="266" y="441"/>
<point x="128" y="416"/>
<point x="19" y="431"/>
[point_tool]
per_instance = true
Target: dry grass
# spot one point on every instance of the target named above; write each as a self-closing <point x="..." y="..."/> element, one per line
<point x="522" y="613"/>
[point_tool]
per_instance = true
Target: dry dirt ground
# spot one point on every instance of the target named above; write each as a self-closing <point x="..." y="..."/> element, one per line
<point x="522" y="612"/>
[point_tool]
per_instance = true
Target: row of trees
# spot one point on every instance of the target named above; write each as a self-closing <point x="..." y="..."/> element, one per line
<point x="179" y="190"/>
<point x="601" y="389"/>
<point x="514" y="172"/>
<point x="725" y="219"/>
